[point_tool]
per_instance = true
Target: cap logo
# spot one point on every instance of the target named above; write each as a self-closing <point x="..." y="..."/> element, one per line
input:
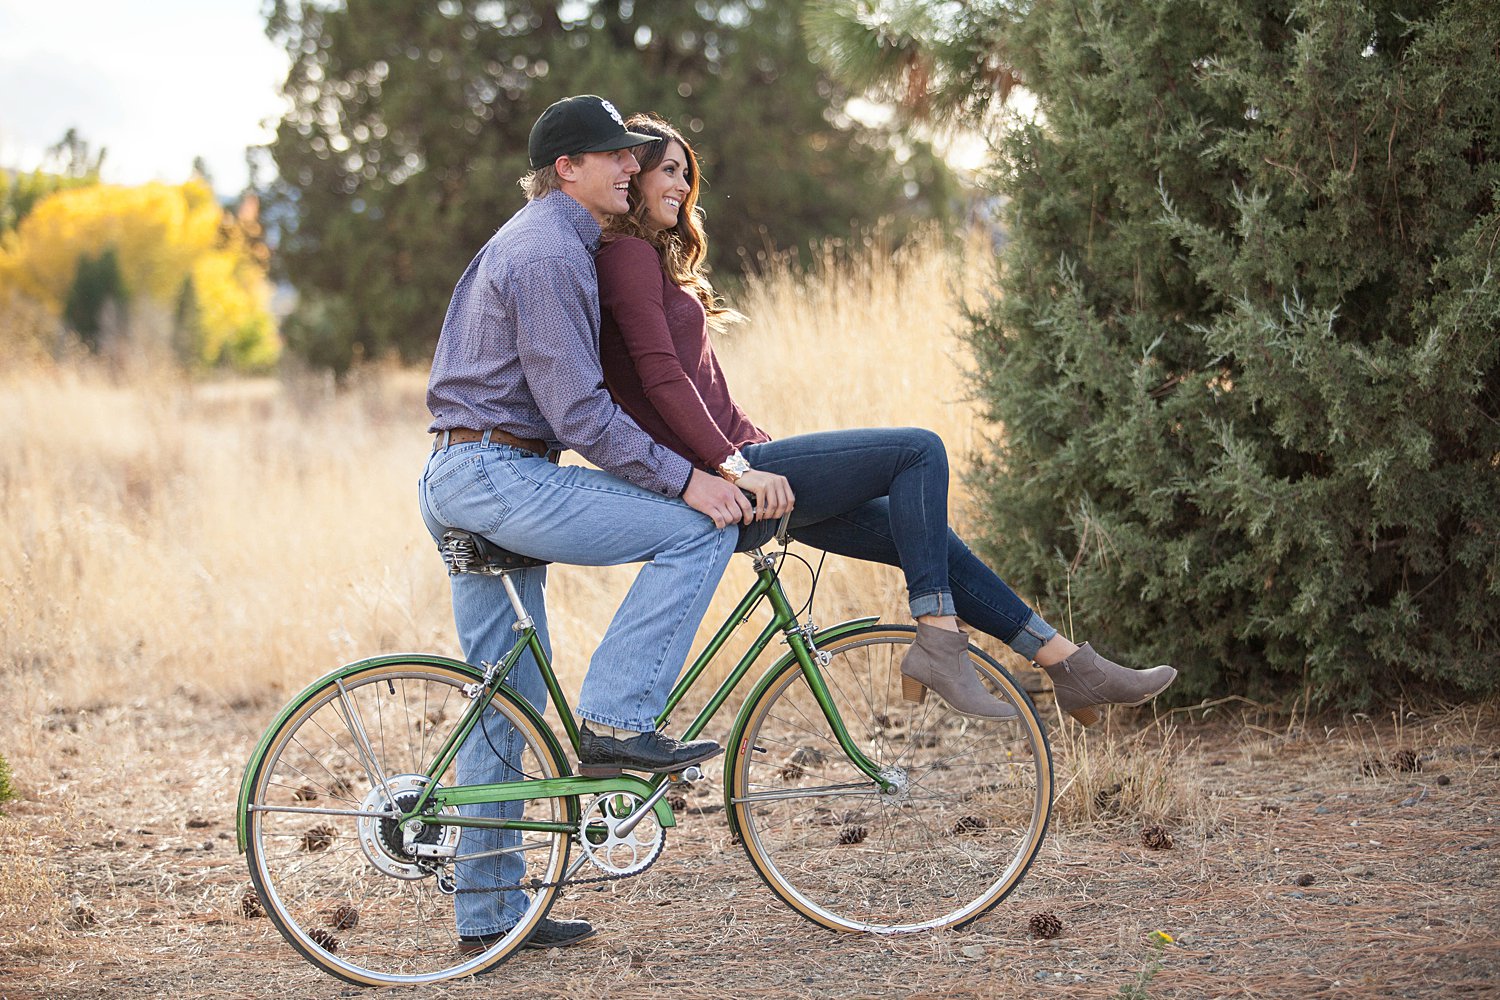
<point x="612" y="112"/>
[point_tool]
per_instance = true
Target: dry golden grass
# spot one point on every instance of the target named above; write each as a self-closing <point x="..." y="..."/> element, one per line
<point x="241" y="538"/>
<point x="31" y="903"/>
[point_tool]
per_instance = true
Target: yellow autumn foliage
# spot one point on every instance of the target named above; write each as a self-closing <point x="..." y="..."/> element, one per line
<point x="167" y="239"/>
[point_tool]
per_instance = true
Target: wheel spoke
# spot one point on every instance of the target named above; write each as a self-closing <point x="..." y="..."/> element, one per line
<point x="341" y="879"/>
<point x="964" y="813"/>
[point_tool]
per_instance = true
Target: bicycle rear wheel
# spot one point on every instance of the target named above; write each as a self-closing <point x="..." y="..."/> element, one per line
<point x="338" y="879"/>
<point x="968" y="815"/>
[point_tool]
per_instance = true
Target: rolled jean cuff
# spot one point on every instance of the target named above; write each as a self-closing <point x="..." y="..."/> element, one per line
<point x="618" y="721"/>
<point x="937" y="603"/>
<point x="1032" y="637"/>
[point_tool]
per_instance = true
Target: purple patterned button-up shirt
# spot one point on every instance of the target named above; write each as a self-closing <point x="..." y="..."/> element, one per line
<point x="520" y="348"/>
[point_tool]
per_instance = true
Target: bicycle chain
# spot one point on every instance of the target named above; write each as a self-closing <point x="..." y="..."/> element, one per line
<point x="539" y="884"/>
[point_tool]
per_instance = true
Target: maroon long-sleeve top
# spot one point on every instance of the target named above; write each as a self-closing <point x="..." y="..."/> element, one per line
<point x="658" y="362"/>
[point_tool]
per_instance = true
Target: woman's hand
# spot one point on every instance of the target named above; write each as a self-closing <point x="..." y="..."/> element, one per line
<point x="718" y="499"/>
<point x="773" y="494"/>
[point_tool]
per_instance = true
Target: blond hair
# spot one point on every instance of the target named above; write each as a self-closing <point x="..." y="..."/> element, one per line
<point x="541" y="182"/>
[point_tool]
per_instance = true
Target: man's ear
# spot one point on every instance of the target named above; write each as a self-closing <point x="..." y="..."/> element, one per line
<point x="567" y="167"/>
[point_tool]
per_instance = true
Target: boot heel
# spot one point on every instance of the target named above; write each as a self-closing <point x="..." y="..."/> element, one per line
<point x="913" y="689"/>
<point x="595" y="771"/>
<point x="1088" y="715"/>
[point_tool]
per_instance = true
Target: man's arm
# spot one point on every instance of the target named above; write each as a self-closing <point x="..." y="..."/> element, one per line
<point x="558" y="346"/>
<point x="557" y="341"/>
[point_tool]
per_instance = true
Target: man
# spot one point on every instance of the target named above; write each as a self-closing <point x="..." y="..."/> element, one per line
<point x="516" y="377"/>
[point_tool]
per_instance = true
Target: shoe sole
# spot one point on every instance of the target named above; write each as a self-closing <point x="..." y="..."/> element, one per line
<point x="533" y="943"/>
<point x="615" y="770"/>
<point x="564" y="943"/>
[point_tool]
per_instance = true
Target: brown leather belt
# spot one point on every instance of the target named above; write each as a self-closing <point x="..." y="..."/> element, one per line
<point x="463" y="435"/>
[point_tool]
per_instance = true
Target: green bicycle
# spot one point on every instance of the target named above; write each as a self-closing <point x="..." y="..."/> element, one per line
<point x="860" y="810"/>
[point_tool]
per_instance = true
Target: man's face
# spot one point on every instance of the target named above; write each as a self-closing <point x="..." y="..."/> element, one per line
<point x="599" y="181"/>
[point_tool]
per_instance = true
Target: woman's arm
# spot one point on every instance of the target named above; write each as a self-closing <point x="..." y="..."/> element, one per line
<point x="630" y="290"/>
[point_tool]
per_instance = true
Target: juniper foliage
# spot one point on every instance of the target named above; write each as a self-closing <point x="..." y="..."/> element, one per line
<point x="6" y="791"/>
<point x="1246" y="346"/>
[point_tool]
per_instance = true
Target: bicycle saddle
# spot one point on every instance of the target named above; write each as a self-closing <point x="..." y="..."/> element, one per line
<point x="466" y="552"/>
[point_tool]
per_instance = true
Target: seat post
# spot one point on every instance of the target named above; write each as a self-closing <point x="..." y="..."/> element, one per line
<point x="523" y="620"/>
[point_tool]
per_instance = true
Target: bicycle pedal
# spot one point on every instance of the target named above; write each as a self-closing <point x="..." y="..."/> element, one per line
<point x="688" y="775"/>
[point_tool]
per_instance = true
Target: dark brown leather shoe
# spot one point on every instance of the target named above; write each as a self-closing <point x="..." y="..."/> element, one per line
<point x="548" y="934"/>
<point x="605" y="756"/>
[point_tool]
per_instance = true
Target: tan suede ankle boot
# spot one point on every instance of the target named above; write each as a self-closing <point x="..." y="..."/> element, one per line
<point x="939" y="660"/>
<point x="1085" y="681"/>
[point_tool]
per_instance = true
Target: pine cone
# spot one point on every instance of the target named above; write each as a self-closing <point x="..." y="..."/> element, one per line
<point x="343" y="917"/>
<point x="250" y="907"/>
<point x="1107" y="799"/>
<point x="853" y="835"/>
<point x="797" y="764"/>
<point x="1406" y="760"/>
<point x="319" y="838"/>
<point x="324" y="940"/>
<point x="1045" y="925"/>
<point x="1156" y="838"/>
<point x="970" y="824"/>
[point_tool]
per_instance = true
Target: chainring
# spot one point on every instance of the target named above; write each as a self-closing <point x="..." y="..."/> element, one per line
<point x="606" y="847"/>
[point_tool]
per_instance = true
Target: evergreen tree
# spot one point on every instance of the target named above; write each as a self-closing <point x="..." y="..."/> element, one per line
<point x="96" y="284"/>
<point x="187" y="338"/>
<point x="6" y="791"/>
<point x="408" y="125"/>
<point x="1245" y="346"/>
<point x="936" y="60"/>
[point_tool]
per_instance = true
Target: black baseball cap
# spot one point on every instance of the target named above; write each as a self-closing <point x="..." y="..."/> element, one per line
<point x="582" y="124"/>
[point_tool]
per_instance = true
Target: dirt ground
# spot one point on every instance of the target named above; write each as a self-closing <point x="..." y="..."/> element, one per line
<point x="1313" y="863"/>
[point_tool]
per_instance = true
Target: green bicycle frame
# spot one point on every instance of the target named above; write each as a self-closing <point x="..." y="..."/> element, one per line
<point x="767" y="586"/>
<point x="433" y="800"/>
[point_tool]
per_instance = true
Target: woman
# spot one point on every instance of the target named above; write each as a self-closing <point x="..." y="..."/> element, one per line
<point x="879" y="494"/>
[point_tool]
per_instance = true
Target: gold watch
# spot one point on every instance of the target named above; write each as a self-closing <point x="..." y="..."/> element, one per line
<point x="733" y="467"/>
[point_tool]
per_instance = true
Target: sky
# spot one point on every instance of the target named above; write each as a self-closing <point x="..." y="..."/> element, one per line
<point x="154" y="82"/>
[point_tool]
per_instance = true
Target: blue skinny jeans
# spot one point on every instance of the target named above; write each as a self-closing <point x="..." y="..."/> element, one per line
<point x="881" y="494"/>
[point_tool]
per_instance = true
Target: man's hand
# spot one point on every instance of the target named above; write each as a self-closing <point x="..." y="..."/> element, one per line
<point x="773" y="494"/>
<point x="720" y="500"/>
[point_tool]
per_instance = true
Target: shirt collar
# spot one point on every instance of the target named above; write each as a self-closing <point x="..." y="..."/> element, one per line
<point x="570" y="211"/>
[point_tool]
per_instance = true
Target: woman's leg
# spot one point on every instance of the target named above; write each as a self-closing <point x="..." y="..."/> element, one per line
<point x="980" y="597"/>
<point x="1083" y="681"/>
<point x="834" y="472"/>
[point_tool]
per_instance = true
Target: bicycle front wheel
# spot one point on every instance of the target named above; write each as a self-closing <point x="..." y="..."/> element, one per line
<point x="343" y="882"/>
<point x="965" y="815"/>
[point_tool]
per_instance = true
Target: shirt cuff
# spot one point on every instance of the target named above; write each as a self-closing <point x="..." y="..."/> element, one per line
<point x="686" y="481"/>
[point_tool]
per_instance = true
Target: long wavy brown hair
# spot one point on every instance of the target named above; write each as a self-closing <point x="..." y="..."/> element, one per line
<point x="684" y="246"/>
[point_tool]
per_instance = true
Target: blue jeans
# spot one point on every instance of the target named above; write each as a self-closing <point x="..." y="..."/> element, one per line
<point x="881" y="494"/>
<point x="571" y="515"/>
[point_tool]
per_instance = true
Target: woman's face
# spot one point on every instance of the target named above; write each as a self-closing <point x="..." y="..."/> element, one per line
<point x="665" y="187"/>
